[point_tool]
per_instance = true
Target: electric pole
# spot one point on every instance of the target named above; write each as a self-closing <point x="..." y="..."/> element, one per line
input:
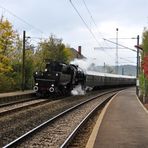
<point x="138" y="63"/>
<point x="23" y="61"/>
<point x="116" y="51"/>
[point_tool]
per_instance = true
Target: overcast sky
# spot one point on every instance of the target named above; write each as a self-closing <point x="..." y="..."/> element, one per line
<point x="59" y="17"/>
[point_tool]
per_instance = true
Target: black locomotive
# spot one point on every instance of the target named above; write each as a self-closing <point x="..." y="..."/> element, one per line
<point x="61" y="78"/>
<point x="58" y="78"/>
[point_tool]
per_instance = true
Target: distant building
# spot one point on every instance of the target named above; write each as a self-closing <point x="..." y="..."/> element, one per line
<point x="77" y="53"/>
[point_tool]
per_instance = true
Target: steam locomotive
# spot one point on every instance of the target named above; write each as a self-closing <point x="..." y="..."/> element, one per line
<point x="61" y="78"/>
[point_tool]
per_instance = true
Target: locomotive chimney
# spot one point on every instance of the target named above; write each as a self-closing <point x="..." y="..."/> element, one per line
<point x="79" y="50"/>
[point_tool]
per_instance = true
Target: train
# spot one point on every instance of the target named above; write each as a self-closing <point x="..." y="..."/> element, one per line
<point x="58" y="78"/>
<point x="61" y="78"/>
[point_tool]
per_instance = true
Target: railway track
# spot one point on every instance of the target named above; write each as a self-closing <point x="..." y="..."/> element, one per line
<point x="15" y="106"/>
<point x="15" y="102"/>
<point x="59" y="130"/>
<point x="9" y="108"/>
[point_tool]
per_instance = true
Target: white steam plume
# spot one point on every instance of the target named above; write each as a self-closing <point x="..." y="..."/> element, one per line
<point x="78" y="91"/>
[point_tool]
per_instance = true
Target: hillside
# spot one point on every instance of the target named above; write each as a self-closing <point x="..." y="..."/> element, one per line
<point x="122" y="69"/>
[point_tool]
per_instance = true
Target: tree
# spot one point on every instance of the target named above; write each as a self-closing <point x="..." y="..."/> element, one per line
<point x="143" y="76"/>
<point x="29" y="65"/>
<point x="52" y="49"/>
<point x="7" y="41"/>
<point x="11" y="59"/>
<point x="7" y="37"/>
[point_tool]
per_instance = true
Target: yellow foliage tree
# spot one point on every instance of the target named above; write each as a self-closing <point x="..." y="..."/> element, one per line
<point x="7" y="38"/>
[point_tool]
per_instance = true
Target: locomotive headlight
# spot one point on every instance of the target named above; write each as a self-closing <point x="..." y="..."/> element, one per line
<point x="36" y="83"/>
<point x="36" y="73"/>
<point x="52" y="85"/>
<point x="57" y="74"/>
<point x="46" y="69"/>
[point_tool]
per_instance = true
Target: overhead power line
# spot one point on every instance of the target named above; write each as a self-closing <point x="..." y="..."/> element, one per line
<point x="91" y="16"/>
<point x="107" y="48"/>
<point x="22" y="20"/>
<point x="125" y="59"/>
<point x="88" y="26"/>
<point x="89" y="13"/>
<point x="93" y="20"/>
<point x="84" y="22"/>
<point x="120" y="45"/>
<point x="101" y="34"/>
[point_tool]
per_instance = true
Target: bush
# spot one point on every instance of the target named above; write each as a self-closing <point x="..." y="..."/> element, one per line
<point x="6" y="83"/>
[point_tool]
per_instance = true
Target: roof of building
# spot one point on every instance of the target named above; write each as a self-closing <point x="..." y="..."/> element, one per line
<point x="76" y="54"/>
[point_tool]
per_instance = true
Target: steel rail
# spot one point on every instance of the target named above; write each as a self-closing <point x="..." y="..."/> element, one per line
<point x="76" y="130"/>
<point x="3" y="113"/>
<point x="16" y="102"/>
<point x="36" y="129"/>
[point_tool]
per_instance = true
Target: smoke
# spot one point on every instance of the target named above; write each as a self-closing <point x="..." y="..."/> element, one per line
<point x="78" y="91"/>
<point x="86" y="64"/>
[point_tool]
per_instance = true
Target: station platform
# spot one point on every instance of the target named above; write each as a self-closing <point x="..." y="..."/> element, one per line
<point x="17" y="93"/>
<point x="123" y="123"/>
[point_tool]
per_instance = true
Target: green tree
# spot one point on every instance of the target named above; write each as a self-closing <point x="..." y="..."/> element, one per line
<point x="52" y="49"/>
<point x="29" y="66"/>
<point x="11" y="59"/>
<point x="16" y="63"/>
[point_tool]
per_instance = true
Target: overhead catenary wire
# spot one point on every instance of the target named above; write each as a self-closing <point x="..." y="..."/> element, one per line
<point x="93" y="20"/>
<point x="101" y="34"/>
<point x="126" y="60"/>
<point x="91" y="16"/>
<point x="89" y="13"/>
<point x="84" y="22"/>
<point x="96" y="26"/>
<point x="123" y="47"/>
<point x="88" y="27"/>
<point x="22" y="20"/>
<point x="120" y="45"/>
